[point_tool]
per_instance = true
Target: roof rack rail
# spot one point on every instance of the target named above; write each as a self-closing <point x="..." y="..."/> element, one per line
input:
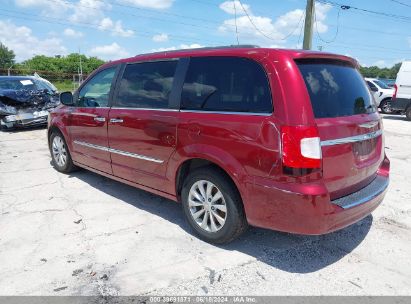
<point x="238" y="46"/>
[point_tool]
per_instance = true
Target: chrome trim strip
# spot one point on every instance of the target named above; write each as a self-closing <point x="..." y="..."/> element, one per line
<point x="369" y="125"/>
<point x="124" y="153"/>
<point x="82" y="143"/>
<point x="145" y="109"/>
<point x="223" y="112"/>
<point x="139" y="156"/>
<point x="352" y="139"/>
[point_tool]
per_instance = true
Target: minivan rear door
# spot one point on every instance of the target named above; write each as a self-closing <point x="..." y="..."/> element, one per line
<point x="348" y="123"/>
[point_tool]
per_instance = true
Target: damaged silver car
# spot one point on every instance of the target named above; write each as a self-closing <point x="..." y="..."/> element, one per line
<point x="25" y="101"/>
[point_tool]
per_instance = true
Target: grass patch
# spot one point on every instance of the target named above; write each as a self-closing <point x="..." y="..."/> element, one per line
<point x="65" y="86"/>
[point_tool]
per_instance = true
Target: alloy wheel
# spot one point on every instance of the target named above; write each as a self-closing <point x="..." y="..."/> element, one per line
<point x="59" y="151"/>
<point x="207" y="206"/>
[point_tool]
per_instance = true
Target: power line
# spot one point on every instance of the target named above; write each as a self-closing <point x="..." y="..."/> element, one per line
<point x="67" y="22"/>
<point x="264" y="34"/>
<point x="402" y="3"/>
<point x="344" y="6"/>
<point x="202" y="26"/>
<point x="28" y="16"/>
<point x="336" y="32"/>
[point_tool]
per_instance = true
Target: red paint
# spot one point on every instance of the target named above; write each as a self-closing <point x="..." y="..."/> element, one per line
<point x="247" y="147"/>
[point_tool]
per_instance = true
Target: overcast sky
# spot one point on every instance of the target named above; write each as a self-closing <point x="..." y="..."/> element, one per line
<point x="122" y="28"/>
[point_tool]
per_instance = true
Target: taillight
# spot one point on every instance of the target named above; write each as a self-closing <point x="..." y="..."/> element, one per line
<point x="301" y="147"/>
<point x="394" y="96"/>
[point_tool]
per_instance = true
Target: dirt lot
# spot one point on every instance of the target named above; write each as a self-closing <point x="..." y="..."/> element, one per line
<point x="83" y="234"/>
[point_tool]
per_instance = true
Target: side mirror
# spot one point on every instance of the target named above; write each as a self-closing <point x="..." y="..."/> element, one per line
<point x="66" y="98"/>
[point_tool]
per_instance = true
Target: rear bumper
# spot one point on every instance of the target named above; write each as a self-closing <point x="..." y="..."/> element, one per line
<point x="311" y="211"/>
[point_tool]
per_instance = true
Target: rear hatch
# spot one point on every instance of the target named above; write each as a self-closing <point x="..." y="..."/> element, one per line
<point x="348" y="124"/>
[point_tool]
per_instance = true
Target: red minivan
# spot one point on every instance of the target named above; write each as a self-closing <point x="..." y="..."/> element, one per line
<point x="288" y="140"/>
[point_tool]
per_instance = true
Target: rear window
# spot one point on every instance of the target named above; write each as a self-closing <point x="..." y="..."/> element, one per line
<point x="336" y="89"/>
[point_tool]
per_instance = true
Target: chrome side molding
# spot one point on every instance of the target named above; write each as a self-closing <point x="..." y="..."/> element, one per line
<point x="351" y="139"/>
<point x="124" y="153"/>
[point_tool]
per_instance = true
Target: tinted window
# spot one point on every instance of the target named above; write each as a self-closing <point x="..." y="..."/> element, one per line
<point x="146" y="85"/>
<point x="226" y="84"/>
<point x="372" y="86"/>
<point x="96" y="92"/>
<point x="336" y="90"/>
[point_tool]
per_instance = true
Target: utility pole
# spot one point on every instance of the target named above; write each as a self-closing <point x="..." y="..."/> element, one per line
<point x="309" y="24"/>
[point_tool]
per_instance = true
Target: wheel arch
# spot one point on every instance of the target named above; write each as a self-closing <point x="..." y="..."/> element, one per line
<point x="213" y="156"/>
<point x="56" y="128"/>
<point x="384" y="99"/>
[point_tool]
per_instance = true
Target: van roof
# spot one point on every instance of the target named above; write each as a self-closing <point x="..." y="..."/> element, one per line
<point x="234" y="50"/>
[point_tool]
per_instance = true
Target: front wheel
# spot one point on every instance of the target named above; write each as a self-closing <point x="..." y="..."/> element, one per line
<point x="213" y="206"/>
<point x="60" y="154"/>
<point x="385" y="107"/>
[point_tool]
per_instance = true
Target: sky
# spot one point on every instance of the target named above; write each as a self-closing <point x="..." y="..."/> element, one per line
<point x="113" y="29"/>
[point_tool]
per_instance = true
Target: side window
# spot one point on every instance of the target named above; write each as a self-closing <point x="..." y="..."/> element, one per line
<point x="95" y="93"/>
<point x="372" y="86"/>
<point x="146" y="85"/>
<point x="228" y="84"/>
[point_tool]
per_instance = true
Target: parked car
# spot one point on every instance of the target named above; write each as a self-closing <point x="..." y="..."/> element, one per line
<point x="382" y="94"/>
<point x="402" y="90"/>
<point x="281" y="139"/>
<point x="25" y="101"/>
<point x="389" y="82"/>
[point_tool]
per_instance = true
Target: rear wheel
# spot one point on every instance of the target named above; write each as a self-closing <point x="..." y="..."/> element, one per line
<point x="212" y="206"/>
<point x="408" y="113"/>
<point x="60" y="154"/>
<point x="385" y="106"/>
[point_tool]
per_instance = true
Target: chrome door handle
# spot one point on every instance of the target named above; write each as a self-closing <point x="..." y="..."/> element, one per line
<point x="116" y="120"/>
<point x="100" y="119"/>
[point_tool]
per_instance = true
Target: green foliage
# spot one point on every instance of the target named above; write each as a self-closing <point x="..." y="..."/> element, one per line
<point x="376" y="72"/>
<point x="69" y="64"/>
<point x="6" y="57"/>
<point x="63" y="86"/>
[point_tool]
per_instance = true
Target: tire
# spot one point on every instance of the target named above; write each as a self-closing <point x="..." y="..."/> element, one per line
<point x="60" y="155"/>
<point x="408" y="113"/>
<point x="229" y="207"/>
<point x="385" y="106"/>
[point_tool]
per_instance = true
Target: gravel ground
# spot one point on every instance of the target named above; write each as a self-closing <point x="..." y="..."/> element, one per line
<point x="83" y="234"/>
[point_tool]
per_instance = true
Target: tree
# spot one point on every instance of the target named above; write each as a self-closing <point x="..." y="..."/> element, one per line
<point x="6" y="57"/>
<point x="69" y="64"/>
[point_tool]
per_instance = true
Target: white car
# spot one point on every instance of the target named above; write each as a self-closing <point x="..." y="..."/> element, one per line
<point x="382" y="94"/>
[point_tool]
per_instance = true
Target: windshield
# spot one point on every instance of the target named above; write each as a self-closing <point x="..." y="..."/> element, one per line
<point x="336" y="89"/>
<point x="381" y="84"/>
<point x="17" y="84"/>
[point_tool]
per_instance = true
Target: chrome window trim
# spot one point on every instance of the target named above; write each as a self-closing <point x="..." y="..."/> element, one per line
<point x="145" y="109"/>
<point x="124" y="153"/>
<point x="226" y="112"/>
<point x="351" y="139"/>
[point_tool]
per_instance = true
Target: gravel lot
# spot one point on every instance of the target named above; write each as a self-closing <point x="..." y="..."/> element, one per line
<point x="83" y="234"/>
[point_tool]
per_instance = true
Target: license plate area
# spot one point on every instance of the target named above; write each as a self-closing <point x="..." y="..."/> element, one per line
<point x="364" y="149"/>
